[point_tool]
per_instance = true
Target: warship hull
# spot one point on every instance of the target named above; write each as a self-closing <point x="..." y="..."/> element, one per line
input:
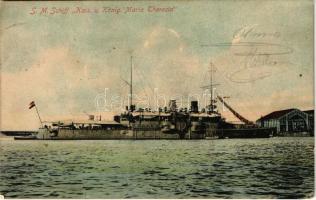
<point x="64" y="134"/>
<point x="244" y="133"/>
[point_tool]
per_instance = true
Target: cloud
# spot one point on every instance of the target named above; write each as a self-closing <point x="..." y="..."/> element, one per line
<point x="58" y="81"/>
<point x="169" y="60"/>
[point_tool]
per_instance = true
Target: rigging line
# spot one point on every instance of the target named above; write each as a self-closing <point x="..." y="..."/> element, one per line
<point x="245" y="107"/>
<point x="144" y="78"/>
<point x="122" y="85"/>
<point x="141" y="78"/>
<point x="237" y="114"/>
<point x="142" y="81"/>
<point x="148" y="83"/>
<point x="203" y="81"/>
<point x="232" y="110"/>
<point x="123" y="89"/>
<point x="142" y="84"/>
<point x="225" y="79"/>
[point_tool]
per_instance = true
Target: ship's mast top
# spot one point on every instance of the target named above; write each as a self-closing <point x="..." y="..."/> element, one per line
<point x="211" y="81"/>
<point x="131" y="87"/>
<point x="211" y="107"/>
<point x="211" y="70"/>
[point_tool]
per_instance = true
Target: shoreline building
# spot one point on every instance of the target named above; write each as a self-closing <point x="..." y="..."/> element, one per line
<point x="310" y="119"/>
<point x="288" y="121"/>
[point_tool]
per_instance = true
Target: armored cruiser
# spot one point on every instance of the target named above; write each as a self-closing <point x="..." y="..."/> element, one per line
<point x="169" y="123"/>
<point x="165" y="123"/>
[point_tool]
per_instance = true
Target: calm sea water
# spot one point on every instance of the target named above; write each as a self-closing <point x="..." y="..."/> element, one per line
<point x="230" y="168"/>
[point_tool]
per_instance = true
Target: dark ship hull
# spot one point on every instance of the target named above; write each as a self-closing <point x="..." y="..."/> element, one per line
<point x="244" y="133"/>
<point x="118" y="132"/>
<point x="150" y="135"/>
<point x="64" y="134"/>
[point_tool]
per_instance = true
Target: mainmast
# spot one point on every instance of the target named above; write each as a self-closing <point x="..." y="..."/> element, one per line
<point x="131" y="86"/>
<point x="211" y="77"/>
<point x="211" y="107"/>
<point x="211" y="86"/>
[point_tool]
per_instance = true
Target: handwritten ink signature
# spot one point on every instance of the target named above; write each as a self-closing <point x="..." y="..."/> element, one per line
<point x="258" y="59"/>
<point x="252" y="32"/>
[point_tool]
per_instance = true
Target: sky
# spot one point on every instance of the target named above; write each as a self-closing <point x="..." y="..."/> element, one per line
<point x="74" y="58"/>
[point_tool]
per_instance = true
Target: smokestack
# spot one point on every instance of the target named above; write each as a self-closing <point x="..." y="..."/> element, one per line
<point x="194" y="106"/>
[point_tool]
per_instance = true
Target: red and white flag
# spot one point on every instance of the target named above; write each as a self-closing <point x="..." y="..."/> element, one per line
<point x="32" y="104"/>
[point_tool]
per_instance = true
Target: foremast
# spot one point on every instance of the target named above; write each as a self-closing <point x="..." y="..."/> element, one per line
<point x="211" y="108"/>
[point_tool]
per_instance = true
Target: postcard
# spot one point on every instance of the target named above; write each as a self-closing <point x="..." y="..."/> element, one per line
<point x="157" y="99"/>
